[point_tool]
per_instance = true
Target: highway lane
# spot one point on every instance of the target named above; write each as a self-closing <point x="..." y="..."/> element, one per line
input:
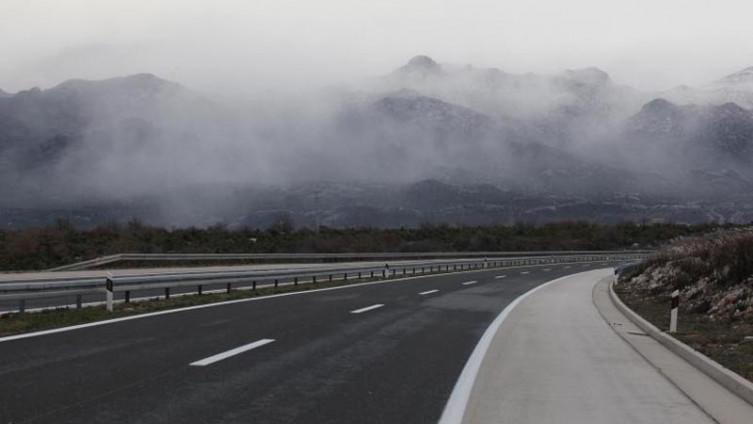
<point x="119" y="274"/>
<point x="388" y="364"/>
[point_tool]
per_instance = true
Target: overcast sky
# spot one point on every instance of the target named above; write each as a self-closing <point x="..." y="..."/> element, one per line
<point x="252" y="44"/>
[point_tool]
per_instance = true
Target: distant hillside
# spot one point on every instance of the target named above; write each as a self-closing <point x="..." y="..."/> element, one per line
<point x="406" y="148"/>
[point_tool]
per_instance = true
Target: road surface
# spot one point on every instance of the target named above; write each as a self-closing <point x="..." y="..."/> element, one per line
<point x="386" y="352"/>
<point x="395" y="363"/>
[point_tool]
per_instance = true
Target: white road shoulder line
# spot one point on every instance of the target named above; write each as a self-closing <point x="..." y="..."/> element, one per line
<point x="454" y="410"/>
<point x="499" y="277"/>
<point x="367" y="309"/>
<point x="424" y="293"/>
<point x="468" y="283"/>
<point x="232" y="352"/>
<point x="207" y="305"/>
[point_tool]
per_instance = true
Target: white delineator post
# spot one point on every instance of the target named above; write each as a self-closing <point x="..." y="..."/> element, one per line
<point x="673" y="313"/>
<point x="108" y="291"/>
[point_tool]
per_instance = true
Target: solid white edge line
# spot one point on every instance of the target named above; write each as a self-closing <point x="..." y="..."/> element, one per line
<point x="215" y="304"/>
<point x="525" y="272"/>
<point x="368" y="308"/>
<point x="468" y="283"/>
<point x="424" y="293"/>
<point x="454" y="409"/>
<point x="499" y="277"/>
<point x="228" y="353"/>
<point x="206" y="305"/>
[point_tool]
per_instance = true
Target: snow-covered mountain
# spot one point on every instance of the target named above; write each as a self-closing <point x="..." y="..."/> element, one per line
<point x="734" y="88"/>
<point x="425" y="142"/>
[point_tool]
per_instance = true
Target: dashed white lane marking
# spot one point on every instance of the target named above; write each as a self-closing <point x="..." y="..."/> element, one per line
<point x="232" y="352"/>
<point x="367" y="309"/>
<point x="424" y="293"/>
<point x="499" y="277"/>
<point x="525" y="272"/>
<point x="468" y="283"/>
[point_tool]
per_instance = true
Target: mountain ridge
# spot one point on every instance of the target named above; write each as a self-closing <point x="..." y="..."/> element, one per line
<point x="410" y="146"/>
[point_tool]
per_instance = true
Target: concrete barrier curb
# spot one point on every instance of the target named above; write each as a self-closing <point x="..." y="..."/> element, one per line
<point x="725" y="377"/>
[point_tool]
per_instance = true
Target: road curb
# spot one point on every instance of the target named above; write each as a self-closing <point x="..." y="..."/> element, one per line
<point x="725" y="377"/>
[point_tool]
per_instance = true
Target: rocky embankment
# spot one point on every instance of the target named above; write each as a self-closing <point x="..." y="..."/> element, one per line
<point x="714" y="275"/>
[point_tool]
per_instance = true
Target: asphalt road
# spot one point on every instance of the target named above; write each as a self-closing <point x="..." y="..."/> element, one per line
<point x="395" y="363"/>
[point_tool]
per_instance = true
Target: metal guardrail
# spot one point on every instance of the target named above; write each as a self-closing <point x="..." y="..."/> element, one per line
<point x="23" y="290"/>
<point x="309" y="257"/>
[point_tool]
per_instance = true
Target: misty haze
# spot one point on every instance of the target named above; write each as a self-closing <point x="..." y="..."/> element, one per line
<point x="380" y="114"/>
<point x="425" y="142"/>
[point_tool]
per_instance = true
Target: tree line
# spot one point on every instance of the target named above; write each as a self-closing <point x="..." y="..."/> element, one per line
<point x="62" y="243"/>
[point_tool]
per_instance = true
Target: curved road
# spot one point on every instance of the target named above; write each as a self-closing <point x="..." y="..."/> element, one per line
<point x="386" y="352"/>
<point x="396" y="363"/>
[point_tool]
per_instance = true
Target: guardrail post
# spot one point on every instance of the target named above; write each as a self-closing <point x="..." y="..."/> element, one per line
<point x="22" y="306"/>
<point x="253" y="285"/>
<point x="372" y="274"/>
<point x="345" y="276"/>
<point x="228" y="287"/>
<point x="403" y="271"/>
<point x="198" y="289"/>
<point x="330" y="277"/>
<point x="384" y="273"/>
<point x="673" y="311"/>
<point x="109" y="291"/>
<point x="277" y="282"/>
<point x="128" y="295"/>
<point x="78" y="301"/>
<point x="167" y="293"/>
<point x="313" y="279"/>
<point x="295" y="281"/>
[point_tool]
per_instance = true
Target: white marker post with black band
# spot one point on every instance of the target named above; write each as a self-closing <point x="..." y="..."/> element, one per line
<point x="673" y="313"/>
<point x="109" y="291"/>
